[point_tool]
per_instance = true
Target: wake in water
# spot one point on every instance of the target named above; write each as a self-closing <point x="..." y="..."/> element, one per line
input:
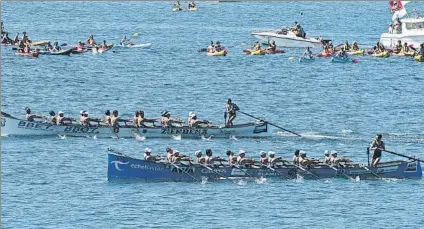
<point x="176" y="137"/>
<point x="62" y="137"/>
<point x="232" y="137"/>
<point x="139" y="137"/>
<point x="207" y="139"/>
<point x="204" y="180"/>
<point x="299" y="179"/>
<point x="261" y="180"/>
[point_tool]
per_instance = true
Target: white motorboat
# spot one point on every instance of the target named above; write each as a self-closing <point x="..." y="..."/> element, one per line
<point x="410" y="30"/>
<point x="286" y="38"/>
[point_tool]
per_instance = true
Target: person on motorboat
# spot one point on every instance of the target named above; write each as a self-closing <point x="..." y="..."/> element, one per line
<point x="308" y="53"/>
<point x="346" y="46"/>
<point x="355" y="46"/>
<point x="405" y="48"/>
<point x="199" y="159"/>
<point x="52" y="117"/>
<point x="398" y="47"/>
<point x="294" y="26"/>
<point x="263" y="158"/>
<point x="242" y="160"/>
<point x="231" y="159"/>
<point x="149" y="157"/>
<point x="191" y="5"/>
<point x="342" y="53"/>
<point x="231" y="109"/>
<point x="397" y="27"/>
<point x="91" y="41"/>
<point x="31" y="117"/>
<point x="62" y="120"/>
<point x="377" y="146"/>
<point x="271" y="45"/>
<point x="390" y="28"/>
<point x="295" y="159"/>
<point x="107" y="119"/>
<point x="299" y="31"/>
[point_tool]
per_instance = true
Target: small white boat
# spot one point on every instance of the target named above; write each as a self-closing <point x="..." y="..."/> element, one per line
<point x="411" y="29"/>
<point x="286" y="38"/>
<point x="145" y="45"/>
<point x="12" y="126"/>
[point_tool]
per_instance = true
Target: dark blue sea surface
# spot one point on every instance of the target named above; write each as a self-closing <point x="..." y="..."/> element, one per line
<point x="62" y="183"/>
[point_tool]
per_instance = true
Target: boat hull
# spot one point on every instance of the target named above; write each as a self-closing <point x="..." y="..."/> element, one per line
<point x="124" y="167"/>
<point x="286" y="41"/>
<point x="12" y="126"/>
<point x="390" y="40"/>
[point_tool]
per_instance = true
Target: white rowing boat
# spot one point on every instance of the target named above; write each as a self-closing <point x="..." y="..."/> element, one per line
<point x="12" y="126"/>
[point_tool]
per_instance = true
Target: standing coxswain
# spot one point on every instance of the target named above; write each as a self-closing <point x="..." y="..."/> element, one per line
<point x="377" y="146"/>
<point x="231" y="109"/>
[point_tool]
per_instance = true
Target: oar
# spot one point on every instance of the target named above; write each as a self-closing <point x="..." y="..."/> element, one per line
<point x="222" y="175"/>
<point x="373" y="173"/>
<point x="301" y="168"/>
<point x="402" y="155"/>
<point x="271" y="124"/>
<point x="225" y="118"/>
<point x="244" y="171"/>
<point x="274" y="170"/>
<point x="349" y="177"/>
<point x="113" y="131"/>
<point x="185" y="172"/>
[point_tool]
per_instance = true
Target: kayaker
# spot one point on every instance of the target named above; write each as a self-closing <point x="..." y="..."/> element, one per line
<point x="355" y="46"/>
<point x="231" y="109"/>
<point x="149" y="157"/>
<point x="6" y="39"/>
<point x="49" y="46"/>
<point x="16" y="39"/>
<point x="211" y="48"/>
<point x="31" y="117"/>
<point x="346" y="46"/>
<point x="124" y="41"/>
<point x="271" y="45"/>
<point x="80" y="45"/>
<point x="25" y="38"/>
<point x="381" y="47"/>
<point x="199" y="159"/>
<point x="21" y="46"/>
<point x="308" y="53"/>
<point x="342" y="53"/>
<point x="104" y="45"/>
<point x="421" y="52"/>
<point x="218" y="47"/>
<point x="91" y="41"/>
<point x="263" y="159"/>
<point x="330" y="46"/>
<point x="177" y="5"/>
<point x="191" y="5"/>
<point x="231" y="159"/>
<point x="377" y="146"/>
<point x="295" y="159"/>
<point x="56" y="47"/>
<point x="27" y="49"/>
<point x="107" y="120"/>
<point x="405" y="48"/>
<point x="398" y="47"/>
<point x="52" y="117"/>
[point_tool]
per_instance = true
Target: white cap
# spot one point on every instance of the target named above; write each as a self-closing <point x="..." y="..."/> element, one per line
<point x="193" y="115"/>
<point x="81" y="112"/>
<point x="60" y="112"/>
<point x="333" y="152"/>
<point x="262" y="153"/>
<point x="271" y="153"/>
<point x="147" y="150"/>
<point x="326" y="152"/>
<point x="176" y="152"/>
<point x="198" y="152"/>
<point x="242" y="152"/>
<point x="190" y="114"/>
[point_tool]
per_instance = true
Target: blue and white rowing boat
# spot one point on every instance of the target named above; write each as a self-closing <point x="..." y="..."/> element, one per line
<point x="125" y="167"/>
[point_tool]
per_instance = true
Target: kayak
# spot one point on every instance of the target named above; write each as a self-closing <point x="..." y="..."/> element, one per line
<point x="60" y="52"/>
<point x="31" y="54"/>
<point x="325" y="54"/>
<point x="145" y="45"/>
<point x="359" y="52"/>
<point x="403" y="54"/>
<point x="192" y="9"/>
<point x="419" y="58"/>
<point x="305" y="59"/>
<point x="177" y="9"/>
<point x="268" y="51"/>
<point x="336" y="59"/>
<point x="39" y="43"/>
<point x="77" y="50"/>
<point x="382" y="54"/>
<point x="221" y="53"/>
<point x="258" y="52"/>
<point x="101" y="50"/>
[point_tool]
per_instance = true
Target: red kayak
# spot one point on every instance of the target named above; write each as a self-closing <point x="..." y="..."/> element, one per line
<point x="325" y="54"/>
<point x="31" y="54"/>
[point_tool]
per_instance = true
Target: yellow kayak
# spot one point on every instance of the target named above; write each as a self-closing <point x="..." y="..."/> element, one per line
<point x="39" y="43"/>
<point x="403" y="54"/>
<point x="359" y="52"/>
<point x="382" y="54"/>
<point x="258" y="52"/>
<point x="419" y="58"/>
<point x="221" y="53"/>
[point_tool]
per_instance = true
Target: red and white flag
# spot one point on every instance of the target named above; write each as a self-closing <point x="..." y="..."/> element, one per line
<point x="398" y="9"/>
